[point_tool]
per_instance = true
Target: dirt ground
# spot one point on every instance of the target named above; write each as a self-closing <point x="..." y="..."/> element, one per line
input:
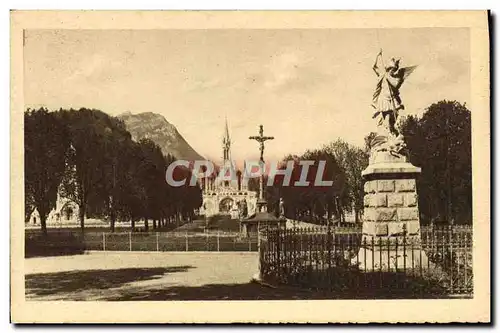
<point x="115" y="276"/>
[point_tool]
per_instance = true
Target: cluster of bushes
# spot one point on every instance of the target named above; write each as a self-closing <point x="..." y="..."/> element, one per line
<point x="55" y="244"/>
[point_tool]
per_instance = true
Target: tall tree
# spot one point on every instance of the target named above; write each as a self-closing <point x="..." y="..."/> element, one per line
<point x="45" y="146"/>
<point x="85" y="177"/>
<point x="118" y="166"/>
<point x="134" y="197"/>
<point x="440" y="143"/>
<point x="152" y="176"/>
<point x="311" y="202"/>
<point x="352" y="161"/>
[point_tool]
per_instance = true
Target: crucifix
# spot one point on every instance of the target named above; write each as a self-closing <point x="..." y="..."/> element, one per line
<point x="261" y="139"/>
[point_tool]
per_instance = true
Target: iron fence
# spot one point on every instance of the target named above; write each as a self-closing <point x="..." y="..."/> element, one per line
<point x="61" y="242"/>
<point x="438" y="264"/>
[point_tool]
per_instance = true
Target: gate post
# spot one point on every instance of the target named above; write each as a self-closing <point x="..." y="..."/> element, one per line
<point x="218" y="241"/>
<point x="157" y="244"/>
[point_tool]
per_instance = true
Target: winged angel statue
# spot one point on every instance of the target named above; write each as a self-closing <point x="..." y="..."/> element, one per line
<point x="387" y="104"/>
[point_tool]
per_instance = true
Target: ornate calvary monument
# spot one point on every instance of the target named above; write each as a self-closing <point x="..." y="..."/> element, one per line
<point x="262" y="218"/>
<point x="391" y="205"/>
<point x="261" y="139"/>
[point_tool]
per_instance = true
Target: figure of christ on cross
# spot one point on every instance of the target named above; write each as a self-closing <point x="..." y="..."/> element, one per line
<point x="261" y="139"/>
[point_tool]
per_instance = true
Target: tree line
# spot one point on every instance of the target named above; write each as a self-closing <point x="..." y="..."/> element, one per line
<point x="318" y="204"/>
<point x="439" y="142"/>
<point x="90" y="158"/>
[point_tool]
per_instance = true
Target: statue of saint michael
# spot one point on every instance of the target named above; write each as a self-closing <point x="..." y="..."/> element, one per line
<point x="387" y="103"/>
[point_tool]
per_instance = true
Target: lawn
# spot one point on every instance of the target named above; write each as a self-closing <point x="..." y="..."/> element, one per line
<point x="189" y="237"/>
<point x="223" y="223"/>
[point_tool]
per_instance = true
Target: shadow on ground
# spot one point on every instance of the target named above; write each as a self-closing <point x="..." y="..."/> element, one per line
<point x="212" y="292"/>
<point x="73" y="285"/>
<point x="250" y="291"/>
<point x="255" y="291"/>
<point x="45" y="284"/>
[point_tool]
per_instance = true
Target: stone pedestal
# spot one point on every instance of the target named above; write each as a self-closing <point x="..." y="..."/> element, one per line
<point x="391" y="224"/>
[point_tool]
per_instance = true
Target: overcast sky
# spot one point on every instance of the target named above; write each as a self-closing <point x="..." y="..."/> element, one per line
<point x="307" y="87"/>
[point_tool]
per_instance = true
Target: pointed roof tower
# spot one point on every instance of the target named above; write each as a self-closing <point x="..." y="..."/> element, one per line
<point x="226" y="143"/>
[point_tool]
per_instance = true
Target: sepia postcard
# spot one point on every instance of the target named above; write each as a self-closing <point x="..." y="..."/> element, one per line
<point x="250" y="167"/>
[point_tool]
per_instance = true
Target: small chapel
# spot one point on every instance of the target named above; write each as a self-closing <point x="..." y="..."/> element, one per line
<point x="64" y="213"/>
<point x="227" y="195"/>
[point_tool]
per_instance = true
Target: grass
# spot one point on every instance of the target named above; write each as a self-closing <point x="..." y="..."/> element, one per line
<point x="188" y="237"/>
<point x="353" y="284"/>
<point x="72" y="242"/>
<point x="175" y="242"/>
<point x="37" y="245"/>
<point x="223" y="223"/>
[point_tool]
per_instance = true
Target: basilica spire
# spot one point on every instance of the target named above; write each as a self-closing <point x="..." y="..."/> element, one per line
<point x="229" y="189"/>
<point x="226" y="143"/>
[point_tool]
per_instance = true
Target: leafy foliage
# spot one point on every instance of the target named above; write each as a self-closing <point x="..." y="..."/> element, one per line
<point x="313" y="202"/>
<point x="319" y="204"/>
<point x="92" y="160"/>
<point x="440" y="143"/>
<point x="352" y="161"/>
<point x="45" y="147"/>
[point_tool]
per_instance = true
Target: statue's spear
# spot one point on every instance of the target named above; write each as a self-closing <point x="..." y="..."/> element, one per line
<point x="390" y="91"/>
<point x="383" y="64"/>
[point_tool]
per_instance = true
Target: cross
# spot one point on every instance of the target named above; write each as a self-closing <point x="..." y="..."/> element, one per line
<point x="261" y="139"/>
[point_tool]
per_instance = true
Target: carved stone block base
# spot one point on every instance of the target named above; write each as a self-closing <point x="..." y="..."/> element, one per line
<point x="391" y="223"/>
<point x="391" y="259"/>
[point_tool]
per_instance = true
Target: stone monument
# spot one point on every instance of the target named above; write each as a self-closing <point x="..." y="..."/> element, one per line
<point x="261" y="139"/>
<point x="262" y="218"/>
<point x="235" y="211"/>
<point x="391" y="212"/>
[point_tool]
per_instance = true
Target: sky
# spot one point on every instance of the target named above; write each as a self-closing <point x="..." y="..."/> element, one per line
<point x="307" y="87"/>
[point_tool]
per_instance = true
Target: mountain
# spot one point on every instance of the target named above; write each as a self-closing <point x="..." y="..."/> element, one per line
<point x="149" y="125"/>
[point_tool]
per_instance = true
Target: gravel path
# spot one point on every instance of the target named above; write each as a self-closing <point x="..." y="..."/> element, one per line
<point x="140" y="275"/>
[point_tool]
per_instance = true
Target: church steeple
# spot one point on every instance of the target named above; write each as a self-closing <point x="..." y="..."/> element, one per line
<point x="229" y="187"/>
<point x="226" y="143"/>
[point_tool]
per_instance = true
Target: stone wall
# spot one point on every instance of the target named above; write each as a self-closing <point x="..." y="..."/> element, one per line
<point x="391" y="208"/>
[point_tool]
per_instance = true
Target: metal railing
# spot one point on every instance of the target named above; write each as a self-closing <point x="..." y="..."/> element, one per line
<point x="141" y="241"/>
<point x="439" y="264"/>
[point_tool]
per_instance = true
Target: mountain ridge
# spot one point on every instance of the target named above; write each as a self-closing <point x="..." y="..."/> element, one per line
<point x="154" y="126"/>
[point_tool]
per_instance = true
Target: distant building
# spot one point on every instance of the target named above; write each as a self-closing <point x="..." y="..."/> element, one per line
<point x="224" y="195"/>
<point x="65" y="212"/>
